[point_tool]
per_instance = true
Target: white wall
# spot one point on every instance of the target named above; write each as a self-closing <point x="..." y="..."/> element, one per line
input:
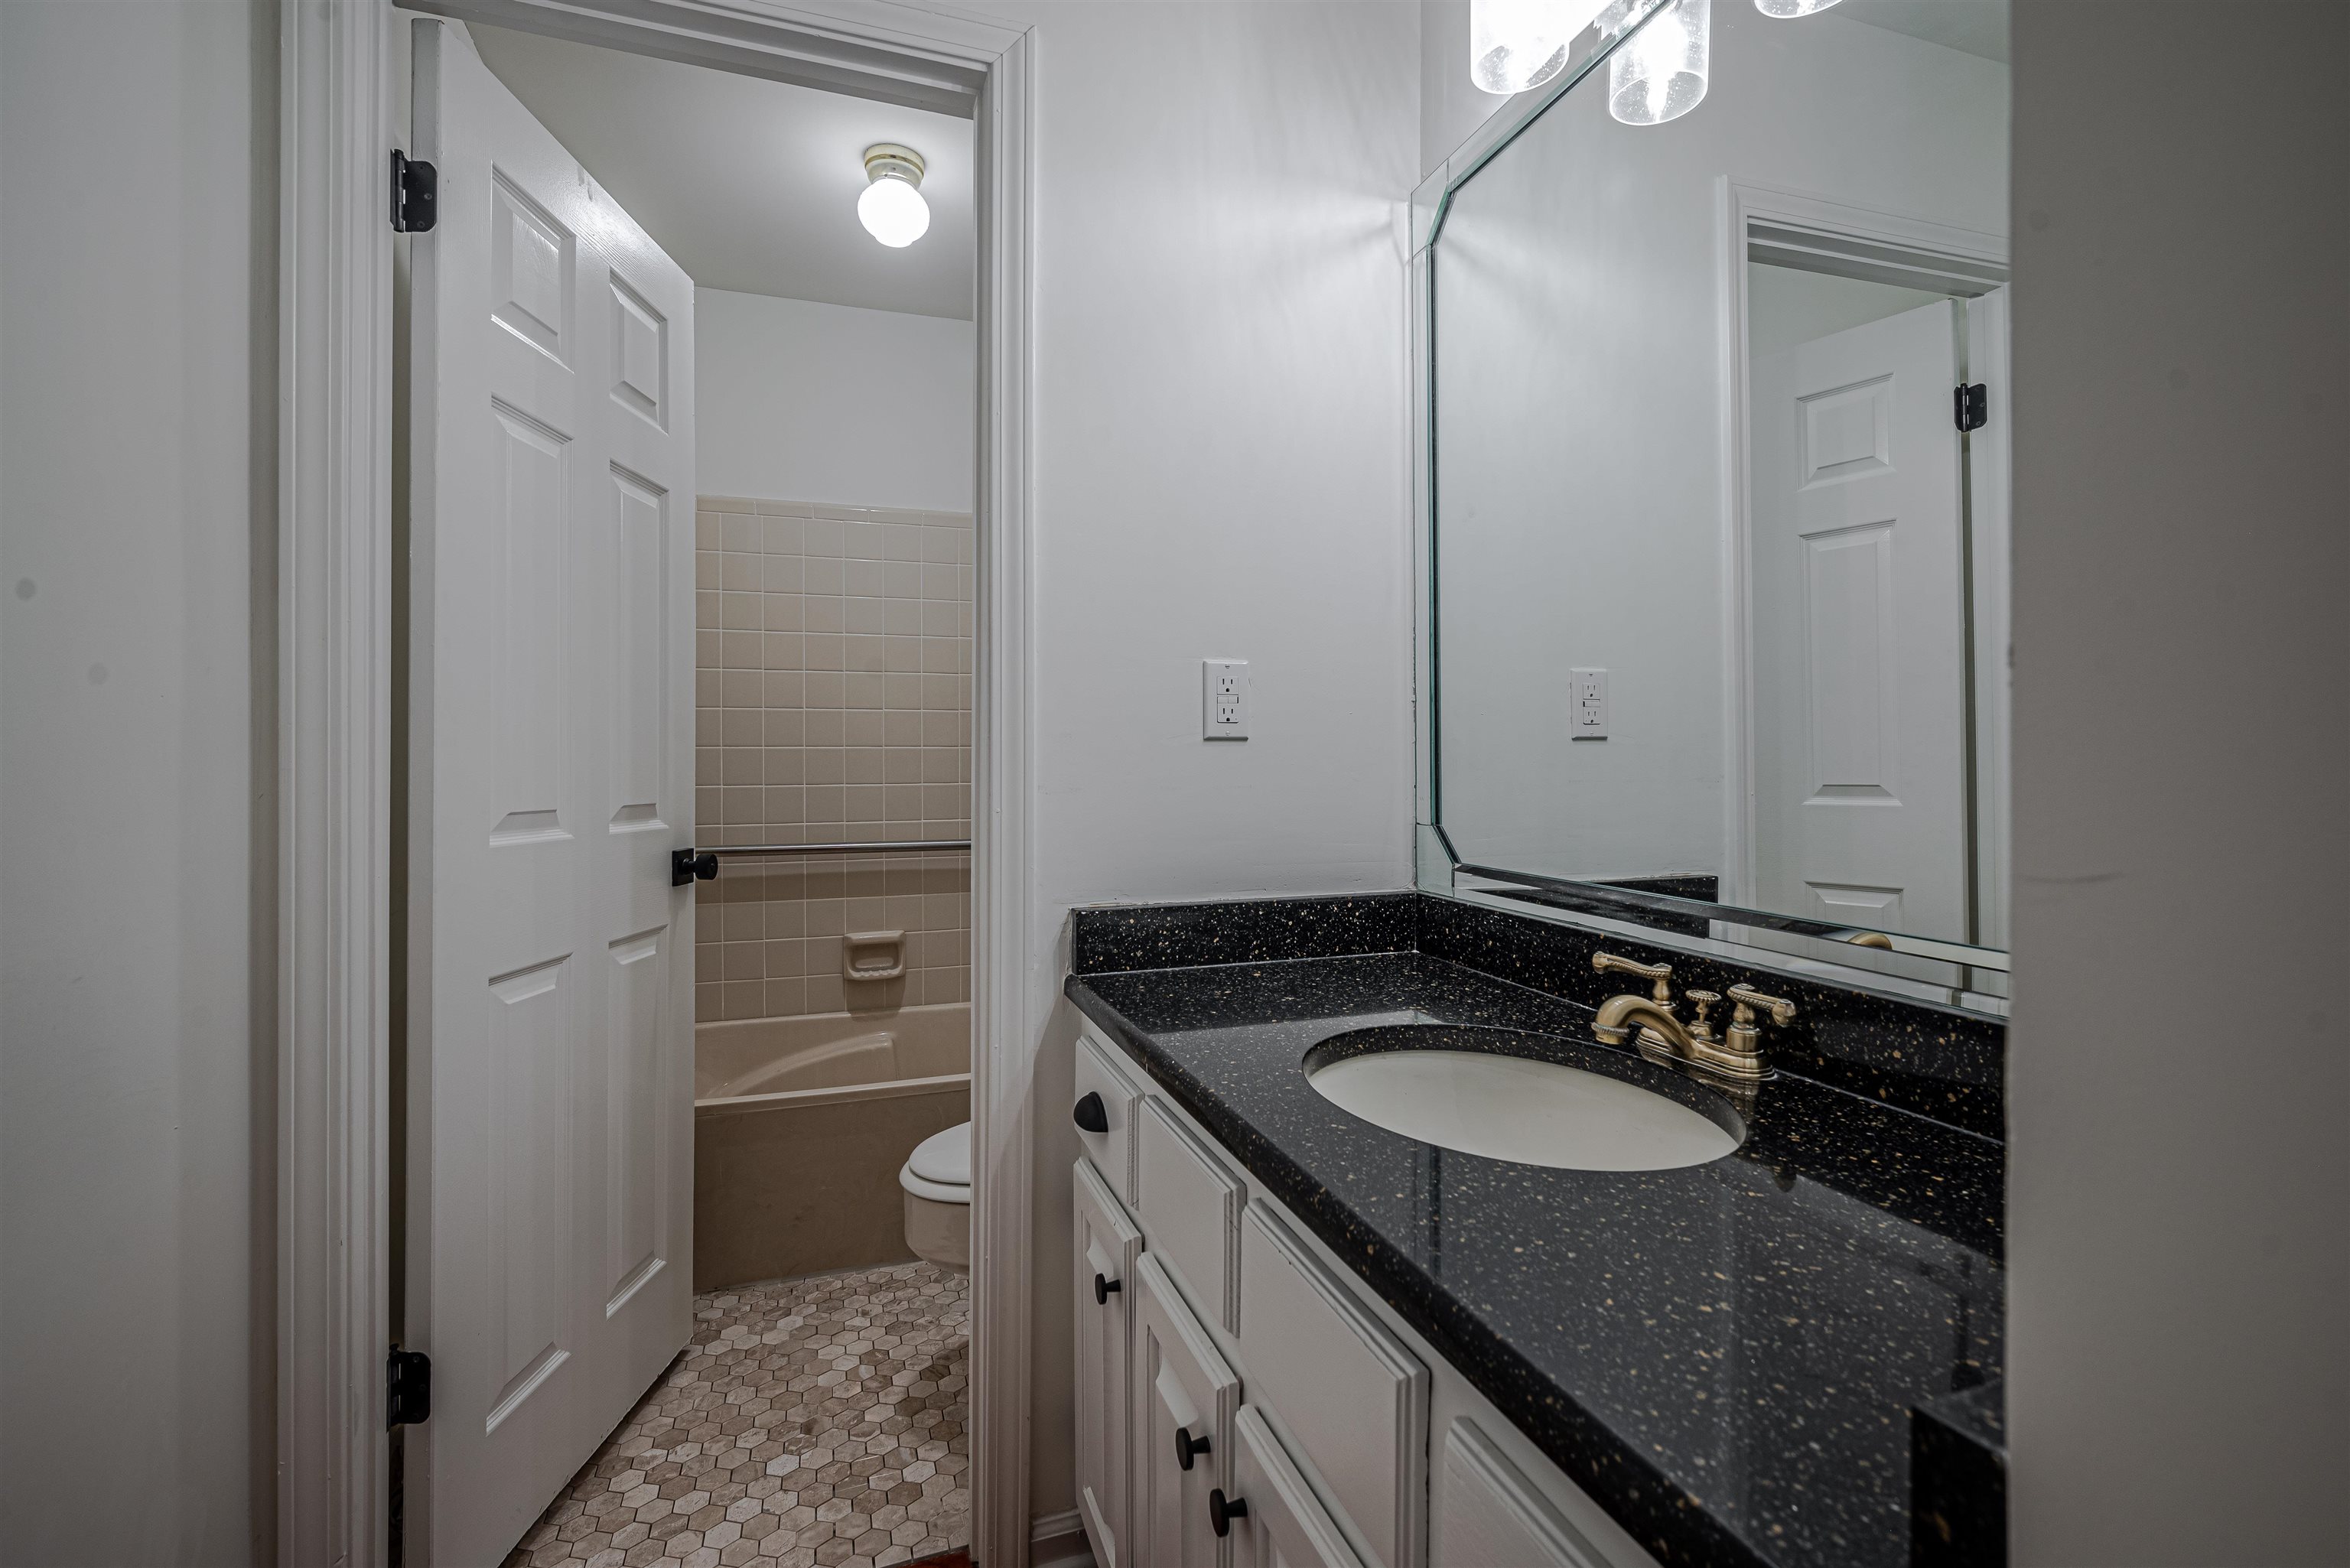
<point x="1219" y="471"/>
<point x="2178" y="1387"/>
<point x="800" y="401"/>
<point x="138" y="169"/>
<point x="1579" y="394"/>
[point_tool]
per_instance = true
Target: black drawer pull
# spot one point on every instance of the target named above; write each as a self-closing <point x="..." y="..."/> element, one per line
<point x="1222" y="1511"/>
<point x="1189" y="1447"/>
<point x="1090" y="1116"/>
<point x="1102" y="1287"/>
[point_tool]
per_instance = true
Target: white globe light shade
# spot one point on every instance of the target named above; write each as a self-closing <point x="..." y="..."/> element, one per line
<point x="1791" y="8"/>
<point x="893" y="212"/>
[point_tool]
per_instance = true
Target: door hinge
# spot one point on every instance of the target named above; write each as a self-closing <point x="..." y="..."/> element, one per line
<point x="1971" y="405"/>
<point x="407" y="1388"/>
<point x="415" y="194"/>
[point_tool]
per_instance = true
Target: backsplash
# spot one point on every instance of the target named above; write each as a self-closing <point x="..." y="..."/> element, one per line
<point x="832" y="703"/>
<point x="1932" y="1061"/>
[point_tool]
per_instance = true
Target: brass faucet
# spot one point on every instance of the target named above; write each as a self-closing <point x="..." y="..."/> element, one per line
<point x="1664" y="1039"/>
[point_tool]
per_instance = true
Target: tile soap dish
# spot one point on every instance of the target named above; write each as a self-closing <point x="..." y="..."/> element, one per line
<point x="873" y="955"/>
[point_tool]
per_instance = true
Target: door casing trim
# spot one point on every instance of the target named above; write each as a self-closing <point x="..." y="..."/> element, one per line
<point x="334" y="710"/>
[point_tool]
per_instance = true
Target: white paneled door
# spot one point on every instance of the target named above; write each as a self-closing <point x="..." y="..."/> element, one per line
<point x="1857" y="555"/>
<point x="550" y="1079"/>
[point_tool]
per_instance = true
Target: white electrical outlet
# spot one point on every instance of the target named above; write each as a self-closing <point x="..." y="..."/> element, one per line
<point x="1223" y="700"/>
<point x="1588" y="719"/>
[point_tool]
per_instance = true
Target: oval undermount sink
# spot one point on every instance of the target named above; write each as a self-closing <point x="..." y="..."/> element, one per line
<point x="1466" y="1088"/>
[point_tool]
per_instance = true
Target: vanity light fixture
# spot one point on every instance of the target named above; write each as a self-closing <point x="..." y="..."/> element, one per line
<point x="892" y="209"/>
<point x="1791" y="8"/>
<point x="1659" y="73"/>
<point x="1514" y="44"/>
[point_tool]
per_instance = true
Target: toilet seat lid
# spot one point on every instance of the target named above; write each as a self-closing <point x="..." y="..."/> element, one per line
<point x="944" y="1157"/>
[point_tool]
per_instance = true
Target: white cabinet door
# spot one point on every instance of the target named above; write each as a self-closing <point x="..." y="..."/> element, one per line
<point x="1107" y="1247"/>
<point x="1185" y="1396"/>
<point x="1352" y="1400"/>
<point x="1190" y="1204"/>
<point x="550" y="1076"/>
<point x="1273" y="1517"/>
<point x="1489" y="1513"/>
<point x="1860" y="648"/>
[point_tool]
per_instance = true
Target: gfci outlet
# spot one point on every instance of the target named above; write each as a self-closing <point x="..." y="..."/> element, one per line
<point x="1223" y="700"/>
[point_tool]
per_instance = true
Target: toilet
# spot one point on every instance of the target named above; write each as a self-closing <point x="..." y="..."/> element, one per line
<point x="937" y="1179"/>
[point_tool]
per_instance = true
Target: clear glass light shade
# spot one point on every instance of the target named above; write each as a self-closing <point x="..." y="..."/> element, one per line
<point x="893" y="212"/>
<point x="1791" y="8"/>
<point x="1514" y="44"/>
<point x="1659" y="72"/>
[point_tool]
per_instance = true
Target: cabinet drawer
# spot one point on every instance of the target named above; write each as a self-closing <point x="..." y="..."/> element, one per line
<point x="1284" y="1524"/>
<point x="1351" y="1398"/>
<point x="1107" y="1246"/>
<point x="1487" y="1512"/>
<point x="1185" y="1397"/>
<point x="1191" y="1211"/>
<point x="1112" y="1150"/>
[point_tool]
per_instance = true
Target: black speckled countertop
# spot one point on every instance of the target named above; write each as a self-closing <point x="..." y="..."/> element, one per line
<point x="1725" y="1356"/>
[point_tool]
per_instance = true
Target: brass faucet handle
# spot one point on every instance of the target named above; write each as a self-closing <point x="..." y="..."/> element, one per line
<point x="1662" y="973"/>
<point x="1703" y="1001"/>
<point x="1782" y="1011"/>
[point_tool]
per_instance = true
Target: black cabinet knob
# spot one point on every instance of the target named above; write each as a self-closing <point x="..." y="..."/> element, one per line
<point x="1222" y="1511"/>
<point x="1102" y="1287"/>
<point x="1189" y="1447"/>
<point x="1091" y="1115"/>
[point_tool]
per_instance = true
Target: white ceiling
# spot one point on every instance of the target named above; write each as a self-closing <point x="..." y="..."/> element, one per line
<point x="1971" y="26"/>
<point x="750" y="184"/>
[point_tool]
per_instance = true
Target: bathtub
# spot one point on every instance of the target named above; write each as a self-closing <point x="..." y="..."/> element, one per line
<point x="799" y="1127"/>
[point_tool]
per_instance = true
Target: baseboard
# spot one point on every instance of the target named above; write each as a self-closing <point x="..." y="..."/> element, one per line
<point x="1058" y="1541"/>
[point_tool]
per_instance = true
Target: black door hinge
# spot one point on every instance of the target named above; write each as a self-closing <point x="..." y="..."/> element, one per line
<point x="684" y="866"/>
<point x="415" y="194"/>
<point x="1971" y="405"/>
<point x="407" y="1389"/>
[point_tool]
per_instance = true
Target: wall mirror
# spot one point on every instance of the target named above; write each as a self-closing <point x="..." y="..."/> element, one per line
<point x="1713" y="495"/>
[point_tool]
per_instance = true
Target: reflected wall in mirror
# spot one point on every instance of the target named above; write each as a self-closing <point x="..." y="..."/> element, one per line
<point x="1717" y="489"/>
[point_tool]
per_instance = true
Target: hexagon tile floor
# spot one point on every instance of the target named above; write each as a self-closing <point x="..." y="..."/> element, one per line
<point x="808" y="1422"/>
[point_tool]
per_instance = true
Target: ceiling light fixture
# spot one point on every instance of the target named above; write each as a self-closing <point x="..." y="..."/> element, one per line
<point x="1658" y="73"/>
<point x="1791" y="8"/>
<point x="892" y="209"/>
<point x="1514" y="44"/>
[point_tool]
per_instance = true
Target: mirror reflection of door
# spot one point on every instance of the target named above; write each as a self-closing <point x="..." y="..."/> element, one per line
<point x="1866" y="796"/>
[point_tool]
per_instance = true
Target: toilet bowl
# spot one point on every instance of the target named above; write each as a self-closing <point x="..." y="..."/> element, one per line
<point x="937" y="1181"/>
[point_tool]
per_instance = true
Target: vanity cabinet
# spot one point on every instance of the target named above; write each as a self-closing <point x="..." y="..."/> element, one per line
<point x="1240" y="1375"/>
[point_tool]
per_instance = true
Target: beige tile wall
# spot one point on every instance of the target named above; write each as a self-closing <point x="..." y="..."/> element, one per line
<point x="832" y="703"/>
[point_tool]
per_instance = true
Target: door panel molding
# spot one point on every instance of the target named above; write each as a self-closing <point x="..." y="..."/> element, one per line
<point x="334" y="692"/>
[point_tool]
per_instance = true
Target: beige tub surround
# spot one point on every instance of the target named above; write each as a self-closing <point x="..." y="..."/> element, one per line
<point x="801" y="1126"/>
<point x="832" y="703"/>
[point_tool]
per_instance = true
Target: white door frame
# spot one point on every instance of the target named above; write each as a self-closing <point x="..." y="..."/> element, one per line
<point x="1741" y="206"/>
<point x="336" y="574"/>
